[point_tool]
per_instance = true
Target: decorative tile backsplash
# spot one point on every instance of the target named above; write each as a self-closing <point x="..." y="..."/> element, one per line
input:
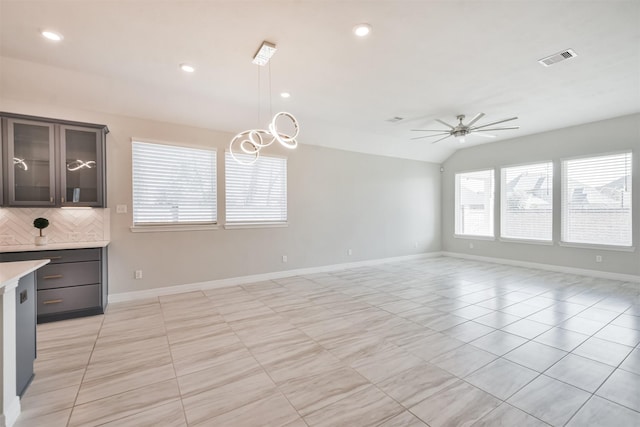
<point x="65" y="225"/>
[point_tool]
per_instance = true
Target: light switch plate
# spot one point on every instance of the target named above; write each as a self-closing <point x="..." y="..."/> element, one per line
<point x="121" y="209"/>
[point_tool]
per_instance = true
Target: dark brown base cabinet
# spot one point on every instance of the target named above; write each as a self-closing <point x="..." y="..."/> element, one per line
<point x="73" y="284"/>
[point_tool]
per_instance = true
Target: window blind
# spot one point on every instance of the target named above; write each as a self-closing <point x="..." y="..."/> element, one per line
<point x="256" y="193"/>
<point x="173" y="184"/>
<point x="596" y="200"/>
<point x="527" y="202"/>
<point x="474" y="203"/>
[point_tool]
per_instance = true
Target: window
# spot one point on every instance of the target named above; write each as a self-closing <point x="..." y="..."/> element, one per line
<point x="173" y="184"/>
<point x="474" y="203"/>
<point x="256" y="193"/>
<point x="596" y="200"/>
<point x="527" y="202"/>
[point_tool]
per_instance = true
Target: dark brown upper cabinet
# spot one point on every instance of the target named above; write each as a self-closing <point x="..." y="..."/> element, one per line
<point x="49" y="162"/>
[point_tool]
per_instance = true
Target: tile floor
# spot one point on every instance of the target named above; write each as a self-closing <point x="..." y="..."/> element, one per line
<point x="437" y="342"/>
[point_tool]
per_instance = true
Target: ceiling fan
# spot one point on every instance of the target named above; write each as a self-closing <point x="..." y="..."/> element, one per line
<point x="462" y="130"/>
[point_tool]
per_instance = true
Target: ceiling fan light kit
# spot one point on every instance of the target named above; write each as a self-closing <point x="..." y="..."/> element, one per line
<point x="462" y="130"/>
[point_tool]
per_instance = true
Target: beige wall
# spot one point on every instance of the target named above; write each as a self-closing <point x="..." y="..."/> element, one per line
<point x="622" y="133"/>
<point x="337" y="200"/>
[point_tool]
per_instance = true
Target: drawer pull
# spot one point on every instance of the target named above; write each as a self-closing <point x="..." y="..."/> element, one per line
<point x="53" y="257"/>
<point x="53" y="301"/>
<point x="53" y="276"/>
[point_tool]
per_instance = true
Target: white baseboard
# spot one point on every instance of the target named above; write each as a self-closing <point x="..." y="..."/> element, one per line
<point x="10" y="413"/>
<point x="240" y="280"/>
<point x="548" y="267"/>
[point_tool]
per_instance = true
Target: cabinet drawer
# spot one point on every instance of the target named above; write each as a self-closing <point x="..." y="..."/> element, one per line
<point x="56" y="257"/>
<point x="70" y="255"/>
<point x="68" y="299"/>
<point x="64" y="275"/>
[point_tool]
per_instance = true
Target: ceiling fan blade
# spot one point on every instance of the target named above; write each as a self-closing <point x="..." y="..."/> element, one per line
<point x="438" y="140"/>
<point x="488" y="130"/>
<point x="484" y="135"/>
<point x="431" y="136"/>
<point x="494" y="123"/>
<point x="445" y="123"/>
<point x="430" y="130"/>
<point x="421" y="137"/>
<point x="475" y="119"/>
<point x="437" y="134"/>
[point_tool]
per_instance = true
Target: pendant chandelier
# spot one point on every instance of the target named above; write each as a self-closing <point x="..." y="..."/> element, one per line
<point x="251" y="141"/>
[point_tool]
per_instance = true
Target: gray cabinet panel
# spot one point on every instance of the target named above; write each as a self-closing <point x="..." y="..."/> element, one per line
<point x="56" y="257"/>
<point x="25" y="331"/>
<point x="65" y="275"/>
<point x="68" y="299"/>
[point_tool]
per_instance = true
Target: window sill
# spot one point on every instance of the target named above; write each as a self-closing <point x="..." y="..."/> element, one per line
<point x="527" y="241"/>
<point x="473" y="237"/>
<point x="172" y="227"/>
<point x="598" y="247"/>
<point x="241" y="225"/>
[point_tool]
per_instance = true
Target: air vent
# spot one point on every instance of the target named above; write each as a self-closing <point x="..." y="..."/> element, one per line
<point x="557" y="57"/>
<point x="395" y="119"/>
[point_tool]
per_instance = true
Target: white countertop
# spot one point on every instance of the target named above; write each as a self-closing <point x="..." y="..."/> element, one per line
<point x="54" y="246"/>
<point x="10" y="271"/>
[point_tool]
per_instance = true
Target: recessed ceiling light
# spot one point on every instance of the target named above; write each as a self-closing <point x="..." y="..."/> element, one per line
<point x="362" y="30"/>
<point x="51" y="35"/>
<point x="187" y="68"/>
<point x="285" y="95"/>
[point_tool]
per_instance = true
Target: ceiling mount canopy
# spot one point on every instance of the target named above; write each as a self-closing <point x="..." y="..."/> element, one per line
<point x="461" y="130"/>
<point x="245" y="146"/>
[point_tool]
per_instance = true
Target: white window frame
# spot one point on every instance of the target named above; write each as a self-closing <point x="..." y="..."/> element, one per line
<point x="255" y="223"/>
<point x="563" y="205"/>
<point x="491" y="205"/>
<point x="145" y="227"/>
<point x="503" y="205"/>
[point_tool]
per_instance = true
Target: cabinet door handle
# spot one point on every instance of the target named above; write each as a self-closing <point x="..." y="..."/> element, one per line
<point x="54" y="276"/>
<point x="53" y="301"/>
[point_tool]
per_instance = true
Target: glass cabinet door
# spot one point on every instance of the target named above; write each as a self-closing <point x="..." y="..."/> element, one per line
<point x="30" y="161"/>
<point x="81" y="166"/>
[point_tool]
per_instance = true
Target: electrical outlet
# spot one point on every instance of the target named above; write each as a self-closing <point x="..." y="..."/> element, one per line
<point x="598" y="258"/>
<point x="92" y="237"/>
<point x="284" y="258"/>
<point x="74" y="236"/>
<point x="470" y="245"/>
<point x="415" y="245"/>
<point x="121" y="209"/>
<point x="138" y="274"/>
<point x="349" y="252"/>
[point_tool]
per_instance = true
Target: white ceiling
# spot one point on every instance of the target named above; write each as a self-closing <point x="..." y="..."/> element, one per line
<point x="423" y="60"/>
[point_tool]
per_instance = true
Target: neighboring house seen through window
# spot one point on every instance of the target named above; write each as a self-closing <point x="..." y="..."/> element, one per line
<point x="596" y="200"/>
<point x="256" y="193"/>
<point x="173" y="185"/>
<point x="527" y="202"/>
<point x="474" y="203"/>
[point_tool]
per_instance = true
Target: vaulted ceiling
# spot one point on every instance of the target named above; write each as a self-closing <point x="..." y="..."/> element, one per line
<point x="423" y="60"/>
